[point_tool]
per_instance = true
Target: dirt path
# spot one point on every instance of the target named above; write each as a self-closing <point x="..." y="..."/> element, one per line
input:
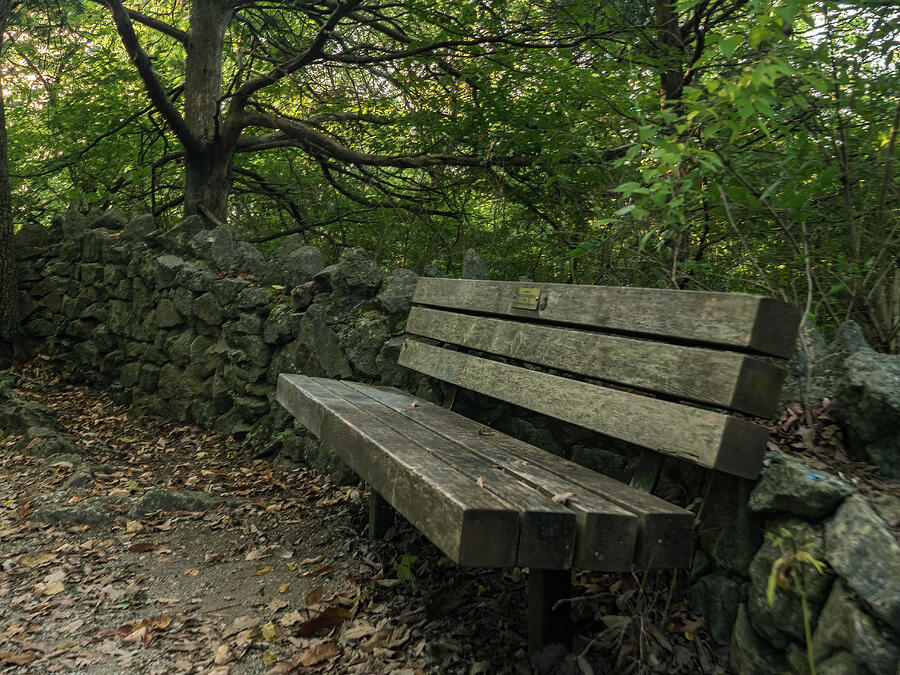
<point x="264" y="571"/>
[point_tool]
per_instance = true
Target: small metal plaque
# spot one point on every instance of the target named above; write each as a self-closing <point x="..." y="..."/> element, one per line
<point x="526" y="298"/>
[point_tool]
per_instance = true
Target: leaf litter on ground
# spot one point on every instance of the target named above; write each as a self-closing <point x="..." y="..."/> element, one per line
<point x="280" y="578"/>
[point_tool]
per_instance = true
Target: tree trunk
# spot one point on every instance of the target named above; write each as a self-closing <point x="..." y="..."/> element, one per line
<point x="10" y="331"/>
<point x="208" y="168"/>
<point x="207" y="182"/>
<point x="671" y="78"/>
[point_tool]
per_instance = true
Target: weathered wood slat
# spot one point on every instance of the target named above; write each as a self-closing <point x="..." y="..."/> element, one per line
<point x="721" y="378"/>
<point x="730" y="320"/>
<point x="607" y="533"/>
<point x="665" y="535"/>
<point x="468" y="523"/>
<point x="704" y="437"/>
<point x="541" y="519"/>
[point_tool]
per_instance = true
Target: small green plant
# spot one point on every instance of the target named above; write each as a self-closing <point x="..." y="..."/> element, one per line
<point x="404" y="567"/>
<point x="786" y="573"/>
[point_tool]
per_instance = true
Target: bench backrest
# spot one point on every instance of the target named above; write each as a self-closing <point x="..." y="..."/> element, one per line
<point x="658" y="368"/>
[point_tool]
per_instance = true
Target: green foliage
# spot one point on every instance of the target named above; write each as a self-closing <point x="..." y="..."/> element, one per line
<point x="787" y="573"/>
<point x="770" y="167"/>
<point x="404" y="567"/>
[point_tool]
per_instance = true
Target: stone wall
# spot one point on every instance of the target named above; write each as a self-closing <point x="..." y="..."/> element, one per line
<point x="192" y="325"/>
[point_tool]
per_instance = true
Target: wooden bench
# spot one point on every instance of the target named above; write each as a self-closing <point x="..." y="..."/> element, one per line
<point x="660" y="369"/>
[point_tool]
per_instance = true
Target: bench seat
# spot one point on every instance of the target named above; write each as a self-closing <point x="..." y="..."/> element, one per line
<point x="485" y="498"/>
<point x="673" y="373"/>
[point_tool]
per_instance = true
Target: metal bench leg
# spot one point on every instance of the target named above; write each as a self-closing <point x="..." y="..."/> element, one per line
<point x="546" y="625"/>
<point x="381" y="516"/>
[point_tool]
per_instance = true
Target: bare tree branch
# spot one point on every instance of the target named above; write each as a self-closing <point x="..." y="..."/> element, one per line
<point x="157" y="25"/>
<point x="321" y="145"/>
<point x="153" y="22"/>
<point x="151" y="81"/>
<point x="309" y="55"/>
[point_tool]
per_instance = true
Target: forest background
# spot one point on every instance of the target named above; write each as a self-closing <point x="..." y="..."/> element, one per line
<point x="739" y="145"/>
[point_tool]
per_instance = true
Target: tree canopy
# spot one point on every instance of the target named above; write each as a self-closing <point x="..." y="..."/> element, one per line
<point x="713" y="144"/>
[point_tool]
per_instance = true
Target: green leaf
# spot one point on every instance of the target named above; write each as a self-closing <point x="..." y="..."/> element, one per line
<point x="730" y="44"/>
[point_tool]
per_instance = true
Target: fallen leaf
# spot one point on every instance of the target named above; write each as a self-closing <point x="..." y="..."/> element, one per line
<point x="264" y="570"/>
<point x="322" y="652"/>
<point x="34" y="561"/>
<point x="54" y="588"/>
<point x="241" y="623"/>
<point x="223" y="655"/>
<point x="291" y="618"/>
<point x="562" y="497"/>
<point x="18" y="658"/>
<point x="277" y="604"/>
<point x="314" y="597"/>
<point x="143" y="547"/>
<point x="284" y="588"/>
<point x="328" y="619"/>
<point x="358" y="631"/>
<point x="311" y="561"/>
<point x="319" y="571"/>
<point x="140" y="634"/>
<point x="268" y="631"/>
<point x="133" y="526"/>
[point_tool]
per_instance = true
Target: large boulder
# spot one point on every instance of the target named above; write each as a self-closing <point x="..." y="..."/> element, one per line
<point x="165" y="269"/>
<point x="844" y="626"/>
<point x="859" y="546"/>
<point x="787" y="485"/>
<point x="327" y="357"/>
<point x="782" y="620"/>
<point x="139" y="227"/>
<point x="159" y="499"/>
<point x="41" y="441"/>
<point x="58" y="507"/>
<point x="355" y="274"/>
<point x="109" y="219"/>
<point x="207" y="309"/>
<point x="322" y="459"/>
<point x="816" y="366"/>
<point x="397" y="292"/>
<point x="31" y="240"/>
<point x="302" y="265"/>
<point x="750" y="654"/>
<point x="179" y="237"/>
<point x="293" y="264"/>
<point x="869" y="408"/>
<point x="233" y="257"/>
<point x="474" y="266"/>
<point x="718" y="597"/>
<point x="17" y="416"/>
